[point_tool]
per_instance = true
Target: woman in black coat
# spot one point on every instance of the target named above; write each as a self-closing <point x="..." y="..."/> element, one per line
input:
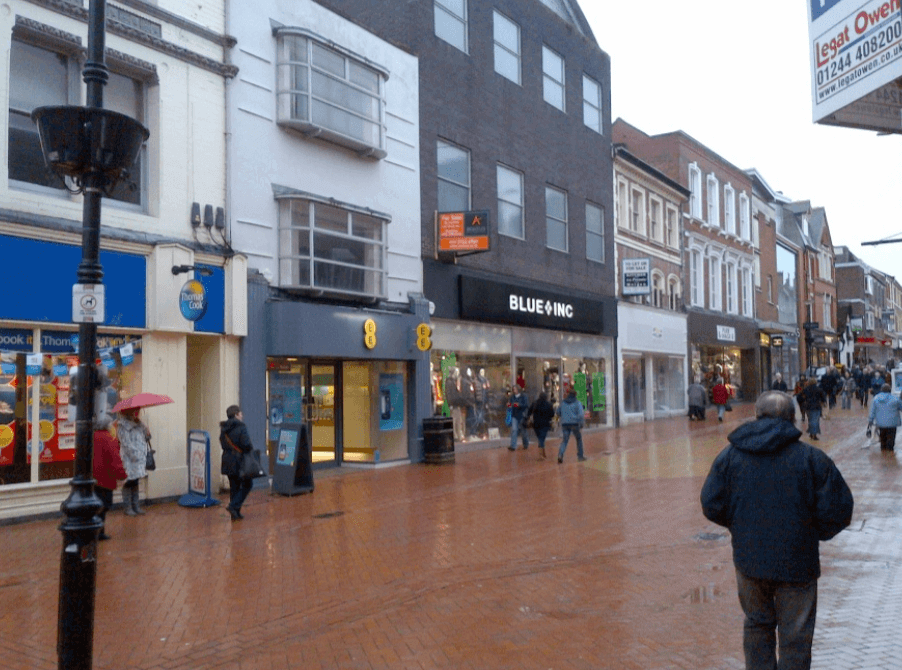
<point x="235" y="440"/>
<point x="542" y="412"/>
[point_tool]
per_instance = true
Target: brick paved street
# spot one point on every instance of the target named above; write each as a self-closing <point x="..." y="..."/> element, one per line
<point x="498" y="561"/>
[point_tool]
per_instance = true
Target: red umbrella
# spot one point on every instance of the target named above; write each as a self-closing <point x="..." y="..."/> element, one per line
<point x="142" y="400"/>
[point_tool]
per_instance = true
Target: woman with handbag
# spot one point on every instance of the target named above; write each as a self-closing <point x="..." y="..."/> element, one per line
<point x="134" y="443"/>
<point x="542" y="414"/>
<point x="235" y="441"/>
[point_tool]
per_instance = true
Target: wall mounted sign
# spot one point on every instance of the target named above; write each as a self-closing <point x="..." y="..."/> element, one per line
<point x="484" y="300"/>
<point x="726" y="333"/>
<point x="636" y="276"/>
<point x="193" y="300"/>
<point x="463" y="231"/>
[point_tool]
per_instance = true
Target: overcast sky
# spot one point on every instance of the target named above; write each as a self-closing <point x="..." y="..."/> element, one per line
<point x="736" y="76"/>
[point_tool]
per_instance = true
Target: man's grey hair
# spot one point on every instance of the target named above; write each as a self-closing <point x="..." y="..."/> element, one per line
<point x="777" y="405"/>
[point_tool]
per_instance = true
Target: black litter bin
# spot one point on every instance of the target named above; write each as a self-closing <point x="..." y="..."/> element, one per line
<point x="438" y="439"/>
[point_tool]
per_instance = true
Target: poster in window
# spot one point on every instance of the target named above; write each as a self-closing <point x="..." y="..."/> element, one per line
<point x="391" y="401"/>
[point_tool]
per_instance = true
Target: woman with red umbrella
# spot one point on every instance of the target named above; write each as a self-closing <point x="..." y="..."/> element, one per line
<point x="134" y="439"/>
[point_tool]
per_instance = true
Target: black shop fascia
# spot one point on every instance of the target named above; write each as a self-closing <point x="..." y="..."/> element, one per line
<point x="479" y="299"/>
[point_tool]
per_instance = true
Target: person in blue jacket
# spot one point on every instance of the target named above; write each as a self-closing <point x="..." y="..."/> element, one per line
<point x="885" y="415"/>
<point x="572" y="415"/>
<point x="779" y="498"/>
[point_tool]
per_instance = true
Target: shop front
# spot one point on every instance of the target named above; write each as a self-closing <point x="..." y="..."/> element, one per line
<point x="39" y="354"/>
<point x="348" y="375"/>
<point x="722" y="346"/>
<point x="653" y="377"/>
<point x="489" y="336"/>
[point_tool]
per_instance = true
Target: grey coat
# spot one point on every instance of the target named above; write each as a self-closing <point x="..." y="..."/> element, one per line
<point x="698" y="396"/>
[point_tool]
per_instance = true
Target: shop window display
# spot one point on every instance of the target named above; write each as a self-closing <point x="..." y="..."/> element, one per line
<point x="709" y="363"/>
<point x="27" y="379"/>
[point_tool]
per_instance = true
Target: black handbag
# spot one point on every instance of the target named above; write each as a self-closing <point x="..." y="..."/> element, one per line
<point x="151" y="463"/>
<point x="250" y="466"/>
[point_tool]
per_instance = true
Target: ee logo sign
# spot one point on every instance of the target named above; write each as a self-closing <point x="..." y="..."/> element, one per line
<point x="369" y="334"/>
<point x="423" y="341"/>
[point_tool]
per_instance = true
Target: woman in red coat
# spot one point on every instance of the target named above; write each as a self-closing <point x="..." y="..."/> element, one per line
<point x="108" y="466"/>
<point x="720" y="395"/>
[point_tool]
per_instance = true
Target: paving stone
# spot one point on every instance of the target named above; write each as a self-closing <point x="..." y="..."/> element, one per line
<point x="497" y="561"/>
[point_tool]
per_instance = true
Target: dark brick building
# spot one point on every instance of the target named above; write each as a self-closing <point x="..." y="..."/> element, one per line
<point x="514" y="120"/>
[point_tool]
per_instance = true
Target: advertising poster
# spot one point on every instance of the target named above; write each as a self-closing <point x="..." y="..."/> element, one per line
<point x="197" y="466"/>
<point x="391" y="401"/>
<point x="284" y="400"/>
<point x="579" y="385"/>
<point x="598" y="391"/>
<point x="288" y="442"/>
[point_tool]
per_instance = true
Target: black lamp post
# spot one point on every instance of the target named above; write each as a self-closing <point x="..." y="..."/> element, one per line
<point x="94" y="147"/>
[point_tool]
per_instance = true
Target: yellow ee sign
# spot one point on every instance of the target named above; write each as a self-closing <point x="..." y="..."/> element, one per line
<point x="369" y="334"/>
<point x="423" y="341"/>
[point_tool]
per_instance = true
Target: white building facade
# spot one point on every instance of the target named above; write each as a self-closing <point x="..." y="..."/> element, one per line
<point x="167" y="70"/>
<point x="325" y="193"/>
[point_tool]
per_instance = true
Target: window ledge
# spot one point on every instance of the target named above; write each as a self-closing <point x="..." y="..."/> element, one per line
<point x="307" y="129"/>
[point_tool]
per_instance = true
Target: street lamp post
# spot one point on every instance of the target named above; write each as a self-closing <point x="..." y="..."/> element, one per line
<point x="94" y="147"/>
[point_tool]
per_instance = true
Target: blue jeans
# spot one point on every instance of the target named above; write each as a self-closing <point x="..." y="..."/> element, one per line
<point x="814" y="422"/>
<point x="773" y="607"/>
<point x="566" y="429"/>
<point x="541" y="434"/>
<point x="517" y="427"/>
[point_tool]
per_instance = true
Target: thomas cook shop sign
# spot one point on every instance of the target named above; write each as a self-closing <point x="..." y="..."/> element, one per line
<point x="193" y="300"/>
<point x="507" y="303"/>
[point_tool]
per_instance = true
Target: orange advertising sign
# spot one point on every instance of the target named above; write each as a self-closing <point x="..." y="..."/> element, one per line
<point x="463" y="231"/>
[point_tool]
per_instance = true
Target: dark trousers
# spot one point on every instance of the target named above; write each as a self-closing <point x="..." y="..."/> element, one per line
<point x="697" y="412"/>
<point x="238" y="490"/>
<point x="106" y="497"/>
<point x="887" y="438"/>
<point x="773" y="609"/>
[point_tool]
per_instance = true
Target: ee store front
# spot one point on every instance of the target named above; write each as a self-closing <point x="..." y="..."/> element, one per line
<point x="491" y="335"/>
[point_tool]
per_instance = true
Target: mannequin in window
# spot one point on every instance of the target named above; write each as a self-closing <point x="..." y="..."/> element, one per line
<point x="469" y="389"/>
<point x="452" y="397"/>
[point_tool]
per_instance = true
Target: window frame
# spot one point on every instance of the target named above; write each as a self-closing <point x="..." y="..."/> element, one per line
<point x="713" y="200"/>
<point x="518" y="57"/>
<point x="715" y="279"/>
<point x="745" y="230"/>
<point x="729" y="208"/>
<point x="658" y="289"/>
<point x="287" y="200"/>
<point x="599" y="234"/>
<point x="548" y="78"/>
<point x="443" y="179"/>
<point x="695" y="191"/>
<point x="499" y="167"/>
<point x="440" y="8"/>
<point x="551" y="219"/>
<point x="731" y="289"/>
<point x="289" y="95"/>
<point x="671" y="227"/>
<point x="655" y="227"/>
<point x="674" y="292"/>
<point x="592" y="105"/>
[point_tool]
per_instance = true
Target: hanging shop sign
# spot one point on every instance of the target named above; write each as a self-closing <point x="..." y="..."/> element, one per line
<point x="193" y="300"/>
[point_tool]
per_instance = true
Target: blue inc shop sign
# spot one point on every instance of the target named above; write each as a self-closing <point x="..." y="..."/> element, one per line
<point x="193" y="300"/>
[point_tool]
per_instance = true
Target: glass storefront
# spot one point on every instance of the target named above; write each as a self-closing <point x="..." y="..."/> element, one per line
<point x="474" y="367"/>
<point x="711" y="362"/>
<point x="667" y="379"/>
<point x="37" y="389"/>
<point x="354" y="411"/>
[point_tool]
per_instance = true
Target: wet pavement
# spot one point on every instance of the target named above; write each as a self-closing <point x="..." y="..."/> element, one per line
<point x="500" y="560"/>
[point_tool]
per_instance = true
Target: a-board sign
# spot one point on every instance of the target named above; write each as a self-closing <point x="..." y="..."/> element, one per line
<point x="293" y="472"/>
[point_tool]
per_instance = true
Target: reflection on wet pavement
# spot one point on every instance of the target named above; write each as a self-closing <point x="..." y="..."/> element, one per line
<point x="500" y="560"/>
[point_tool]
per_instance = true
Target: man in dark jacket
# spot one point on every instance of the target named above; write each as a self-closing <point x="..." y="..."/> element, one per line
<point x="779" y="498"/>
<point x="235" y="440"/>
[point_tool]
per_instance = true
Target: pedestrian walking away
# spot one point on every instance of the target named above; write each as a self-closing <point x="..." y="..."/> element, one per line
<point x="519" y="407"/>
<point x="107" y="467"/>
<point x="542" y="413"/>
<point x="849" y="390"/>
<point x="573" y="415"/>
<point x="884" y="415"/>
<point x="779" y="498"/>
<point x="811" y="402"/>
<point x="698" y="398"/>
<point x="235" y="441"/>
<point x="720" y="396"/>
<point x="134" y="441"/>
